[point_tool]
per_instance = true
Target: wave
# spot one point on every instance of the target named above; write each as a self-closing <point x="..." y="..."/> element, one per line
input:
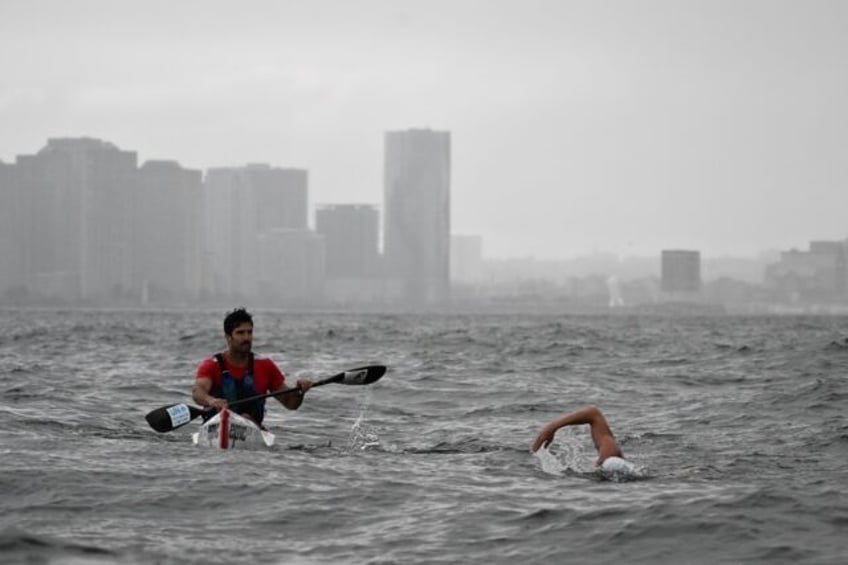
<point x="19" y="546"/>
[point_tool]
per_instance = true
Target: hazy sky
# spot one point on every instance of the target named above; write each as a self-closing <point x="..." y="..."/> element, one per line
<point x="626" y="126"/>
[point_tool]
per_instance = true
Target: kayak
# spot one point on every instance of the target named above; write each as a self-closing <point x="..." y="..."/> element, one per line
<point x="228" y="430"/>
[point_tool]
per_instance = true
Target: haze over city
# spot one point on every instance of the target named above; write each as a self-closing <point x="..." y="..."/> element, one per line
<point x="625" y="127"/>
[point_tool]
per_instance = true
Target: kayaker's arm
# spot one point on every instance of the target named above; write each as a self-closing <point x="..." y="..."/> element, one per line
<point x="293" y="400"/>
<point x="200" y="392"/>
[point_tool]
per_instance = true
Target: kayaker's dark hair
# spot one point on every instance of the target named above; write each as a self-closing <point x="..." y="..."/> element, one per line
<point x="236" y="318"/>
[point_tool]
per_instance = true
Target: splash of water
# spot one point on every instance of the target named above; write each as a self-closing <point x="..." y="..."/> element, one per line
<point x="548" y="462"/>
<point x="361" y="436"/>
<point x="569" y="456"/>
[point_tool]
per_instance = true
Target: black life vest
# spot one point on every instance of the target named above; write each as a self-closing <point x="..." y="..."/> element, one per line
<point x="234" y="389"/>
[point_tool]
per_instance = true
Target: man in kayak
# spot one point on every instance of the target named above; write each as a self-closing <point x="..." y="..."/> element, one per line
<point x="237" y="373"/>
<point x="601" y="432"/>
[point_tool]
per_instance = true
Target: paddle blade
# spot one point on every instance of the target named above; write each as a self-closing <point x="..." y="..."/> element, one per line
<point x="362" y="375"/>
<point x="172" y="417"/>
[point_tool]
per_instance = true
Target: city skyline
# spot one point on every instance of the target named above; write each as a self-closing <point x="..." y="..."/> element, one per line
<point x="619" y="127"/>
<point x="84" y="222"/>
<point x="309" y="210"/>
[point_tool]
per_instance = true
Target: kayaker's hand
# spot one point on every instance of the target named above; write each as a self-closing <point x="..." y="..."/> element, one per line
<point x="294" y="396"/>
<point x="304" y="385"/>
<point x="217" y="403"/>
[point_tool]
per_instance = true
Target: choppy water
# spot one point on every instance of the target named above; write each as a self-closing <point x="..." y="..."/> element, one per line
<point x="739" y="424"/>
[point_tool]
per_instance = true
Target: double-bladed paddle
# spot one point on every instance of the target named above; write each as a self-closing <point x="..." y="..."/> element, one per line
<point x="174" y="416"/>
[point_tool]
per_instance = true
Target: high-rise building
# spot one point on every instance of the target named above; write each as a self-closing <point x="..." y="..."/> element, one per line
<point x="12" y="243"/>
<point x="291" y="272"/>
<point x="681" y="271"/>
<point x="230" y="234"/>
<point x="167" y="231"/>
<point x="281" y="196"/>
<point x="242" y="204"/>
<point x="77" y="218"/>
<point x="417" y="214"/>
<point x="351" y="235"/>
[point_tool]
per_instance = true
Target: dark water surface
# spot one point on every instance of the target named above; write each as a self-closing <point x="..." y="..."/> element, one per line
<point x="739" y="424"/>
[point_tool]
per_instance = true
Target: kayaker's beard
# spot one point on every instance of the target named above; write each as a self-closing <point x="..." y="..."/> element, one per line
<point x="242" y="348"/>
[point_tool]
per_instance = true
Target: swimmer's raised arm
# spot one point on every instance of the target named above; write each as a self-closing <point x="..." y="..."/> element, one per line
<point x="601" y="432"/>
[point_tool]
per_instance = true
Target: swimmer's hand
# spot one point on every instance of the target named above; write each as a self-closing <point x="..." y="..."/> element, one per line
<point x="544" y="439"/>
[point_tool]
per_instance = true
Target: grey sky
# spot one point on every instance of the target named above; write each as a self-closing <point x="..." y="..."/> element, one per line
<point x="623" y="126"/>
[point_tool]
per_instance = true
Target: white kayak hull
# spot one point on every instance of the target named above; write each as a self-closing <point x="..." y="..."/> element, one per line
<point x="228" y="430"/>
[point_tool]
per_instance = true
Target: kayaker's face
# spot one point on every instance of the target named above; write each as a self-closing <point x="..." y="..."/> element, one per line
<point x="241" y="340"/>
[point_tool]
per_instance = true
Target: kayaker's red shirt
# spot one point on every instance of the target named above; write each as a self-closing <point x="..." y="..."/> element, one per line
<point x="267" y="377"/>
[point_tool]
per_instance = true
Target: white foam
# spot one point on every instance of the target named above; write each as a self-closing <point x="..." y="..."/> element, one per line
<point x="549" y="463"/>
